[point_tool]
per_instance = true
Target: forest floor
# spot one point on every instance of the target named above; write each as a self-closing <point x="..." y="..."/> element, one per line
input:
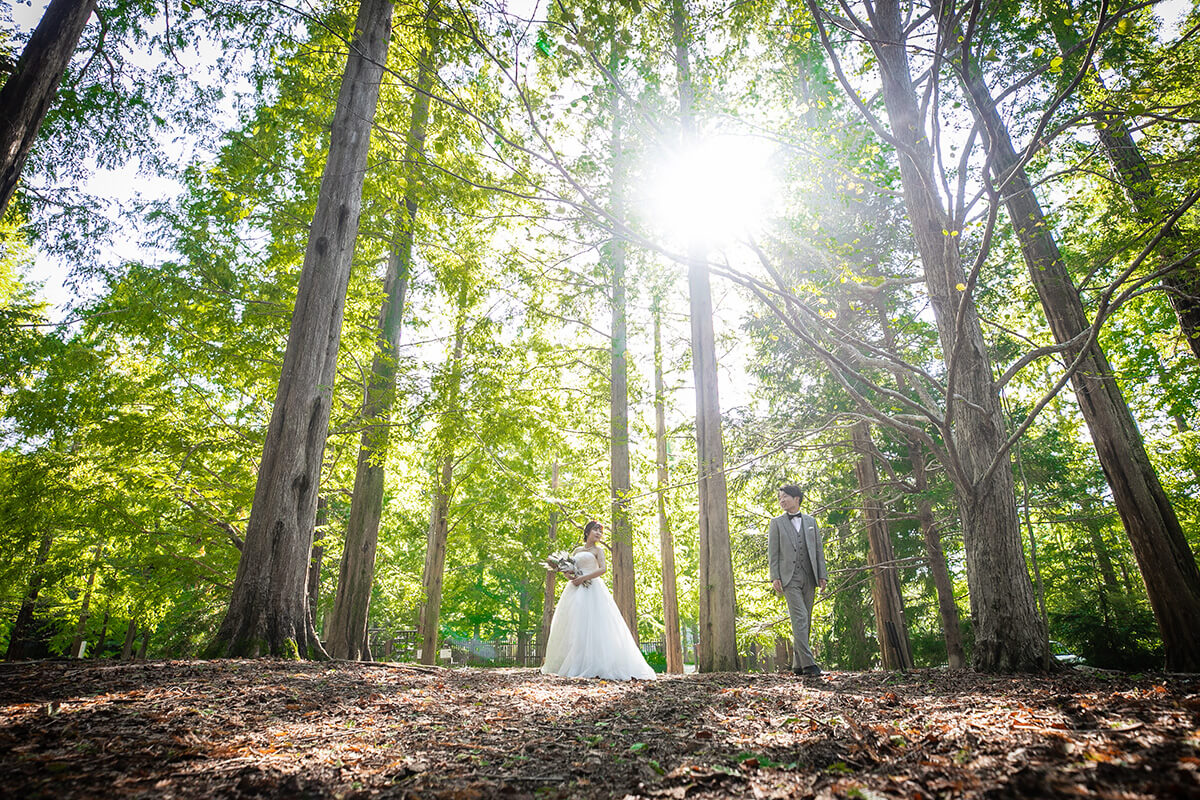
<point x="277" y="729"/>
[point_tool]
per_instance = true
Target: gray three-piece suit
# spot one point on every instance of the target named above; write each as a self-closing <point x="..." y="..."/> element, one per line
<point x="797" y="560"/>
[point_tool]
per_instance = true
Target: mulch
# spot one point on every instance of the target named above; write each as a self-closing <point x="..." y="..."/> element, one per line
<point x="280" y="729"/>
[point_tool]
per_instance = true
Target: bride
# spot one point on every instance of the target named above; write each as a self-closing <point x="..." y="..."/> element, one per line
<point x="588" y="636"/>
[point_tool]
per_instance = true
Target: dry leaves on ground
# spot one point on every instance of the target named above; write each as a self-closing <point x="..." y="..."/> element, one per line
<point x="243" y="729"/>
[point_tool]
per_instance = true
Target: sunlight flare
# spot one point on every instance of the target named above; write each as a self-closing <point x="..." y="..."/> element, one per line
<point x="715" y="191"/>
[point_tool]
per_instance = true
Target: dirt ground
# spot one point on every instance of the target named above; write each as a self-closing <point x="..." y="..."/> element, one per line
<point x="277" y="729"/>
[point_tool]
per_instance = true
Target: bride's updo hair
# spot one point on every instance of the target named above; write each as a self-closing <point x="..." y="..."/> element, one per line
<point x="592" y="524"/>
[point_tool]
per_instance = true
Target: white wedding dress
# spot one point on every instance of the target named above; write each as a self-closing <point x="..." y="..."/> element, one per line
<point x="588" y="636"/>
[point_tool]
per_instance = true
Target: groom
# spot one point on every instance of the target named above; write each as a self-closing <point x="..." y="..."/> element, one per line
<point x="797" y="564"/>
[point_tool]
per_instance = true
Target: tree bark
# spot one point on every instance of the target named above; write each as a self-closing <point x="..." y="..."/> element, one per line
<point x="268" y="612"/>
<point x="130" y="638"/>
<point x="1167" y="563"/>
<point x="551" y="576"/>
<point x="1009" y="636"/>
<point x="348" y="623"/>
<point x="27" y="94"/>
<point x="84" y="610"/>
<point x="717" y="602"/>
<point x="672" y="643"/>
<point x="1143" y="193"/>
<point x="890" y="625"/>
<point x="439" y="518"/>
<point x="522" y="625"/>
<point x="935" y="557"/>
<point x="622" y="528"/>
<point x="314" y="563"/>
<point x="23" y="626"/>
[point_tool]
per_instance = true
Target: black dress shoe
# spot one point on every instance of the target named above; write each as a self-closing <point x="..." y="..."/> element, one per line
<point x="813" y="670"/>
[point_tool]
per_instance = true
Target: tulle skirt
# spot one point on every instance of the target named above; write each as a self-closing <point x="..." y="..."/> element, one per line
<point x="589" y="638"/>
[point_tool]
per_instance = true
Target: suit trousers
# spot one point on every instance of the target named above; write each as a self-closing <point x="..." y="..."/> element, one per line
<point x="799" y="593"/>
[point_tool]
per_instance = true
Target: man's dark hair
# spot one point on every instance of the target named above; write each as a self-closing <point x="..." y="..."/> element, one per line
<point x="794" y="490"/>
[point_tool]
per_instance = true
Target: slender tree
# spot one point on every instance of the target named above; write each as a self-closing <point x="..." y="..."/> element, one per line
<point x="268" y="612"/>
<point x="672" y="642"/>
<point x="551" y="576"/>
<point x="890" y="625"/>
<point x="433" y="575"/>
<point x="622" y="527"/>
<point x="718" y="632"/>
<point x="22" y="631"/>
<point x="1137" y="180"/>
<point x="351" y="606"/>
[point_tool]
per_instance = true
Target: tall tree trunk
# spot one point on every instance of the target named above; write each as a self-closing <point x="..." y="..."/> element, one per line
<point x="890" y="625"/>
<point x="23" y="627"/>
<point x="84" y="610"/>
<point x="1038" y="586"/>
<point x="30" y="89"/>
<point x="622" y="528"/>
<point x="314" y="562"/>
<point x="1167" y="563"/>
<point x="717" y="602"/>
<point x="1137" y="181"/>
<point x="522" y="625"/>
<point x="672" y="643"/>
<point x="130" y="638"/>
<point x="439" y="518"/>
<point x="551" y="576"/>
<point x="1009" y="636"/>
<point x="268" y="612"/>
<point x="935" y="557"/>
<point x="351" y="606"/>
<point x="103" y="634"/>
<point x="1108" y="575"/>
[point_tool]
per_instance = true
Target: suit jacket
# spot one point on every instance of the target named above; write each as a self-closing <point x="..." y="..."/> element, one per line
<point x="781" y="548"/>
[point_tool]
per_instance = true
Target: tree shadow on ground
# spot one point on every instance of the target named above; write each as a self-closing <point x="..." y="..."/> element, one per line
<point x="276" y="729"/>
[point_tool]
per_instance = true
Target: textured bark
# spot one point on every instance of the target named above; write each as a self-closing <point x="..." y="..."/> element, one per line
<point x="85" y="608"/>
<point x="439" y="519"/>
<point x="522" y="626"/>
<point x="621" y="535"/>
<point x="130" y="638"/>
<point x="891" y="629"/>
<point x="1143" y="193"/>
<point x="23" y="628"/>
<point x="268" y="612"/>
<point x="1039" y="587"/>
<point x="1167" y="563"/>
<point x="551" y="576"/>
<point x="1009" y="635"/>
<point x="935" y="557"/>
<point x="717" y="603"/>
<point x="1108" y="576"/>
<point x="315" y="563"/>
<point x="29" y="91"/>
<point x="351" y="606"/>
<point x="672" y="641"/>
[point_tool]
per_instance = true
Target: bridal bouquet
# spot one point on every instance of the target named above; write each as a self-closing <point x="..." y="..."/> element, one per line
<point x="564" y="562"/>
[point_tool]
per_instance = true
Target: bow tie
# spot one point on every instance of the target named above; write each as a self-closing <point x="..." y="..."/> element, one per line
<point x="797" y="514"/>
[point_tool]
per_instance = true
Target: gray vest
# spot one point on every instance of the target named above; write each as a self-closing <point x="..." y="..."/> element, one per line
<point x="803" y="559"/>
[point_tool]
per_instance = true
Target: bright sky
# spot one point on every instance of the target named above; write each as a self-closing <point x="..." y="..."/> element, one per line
<point x="716" y="191"/>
